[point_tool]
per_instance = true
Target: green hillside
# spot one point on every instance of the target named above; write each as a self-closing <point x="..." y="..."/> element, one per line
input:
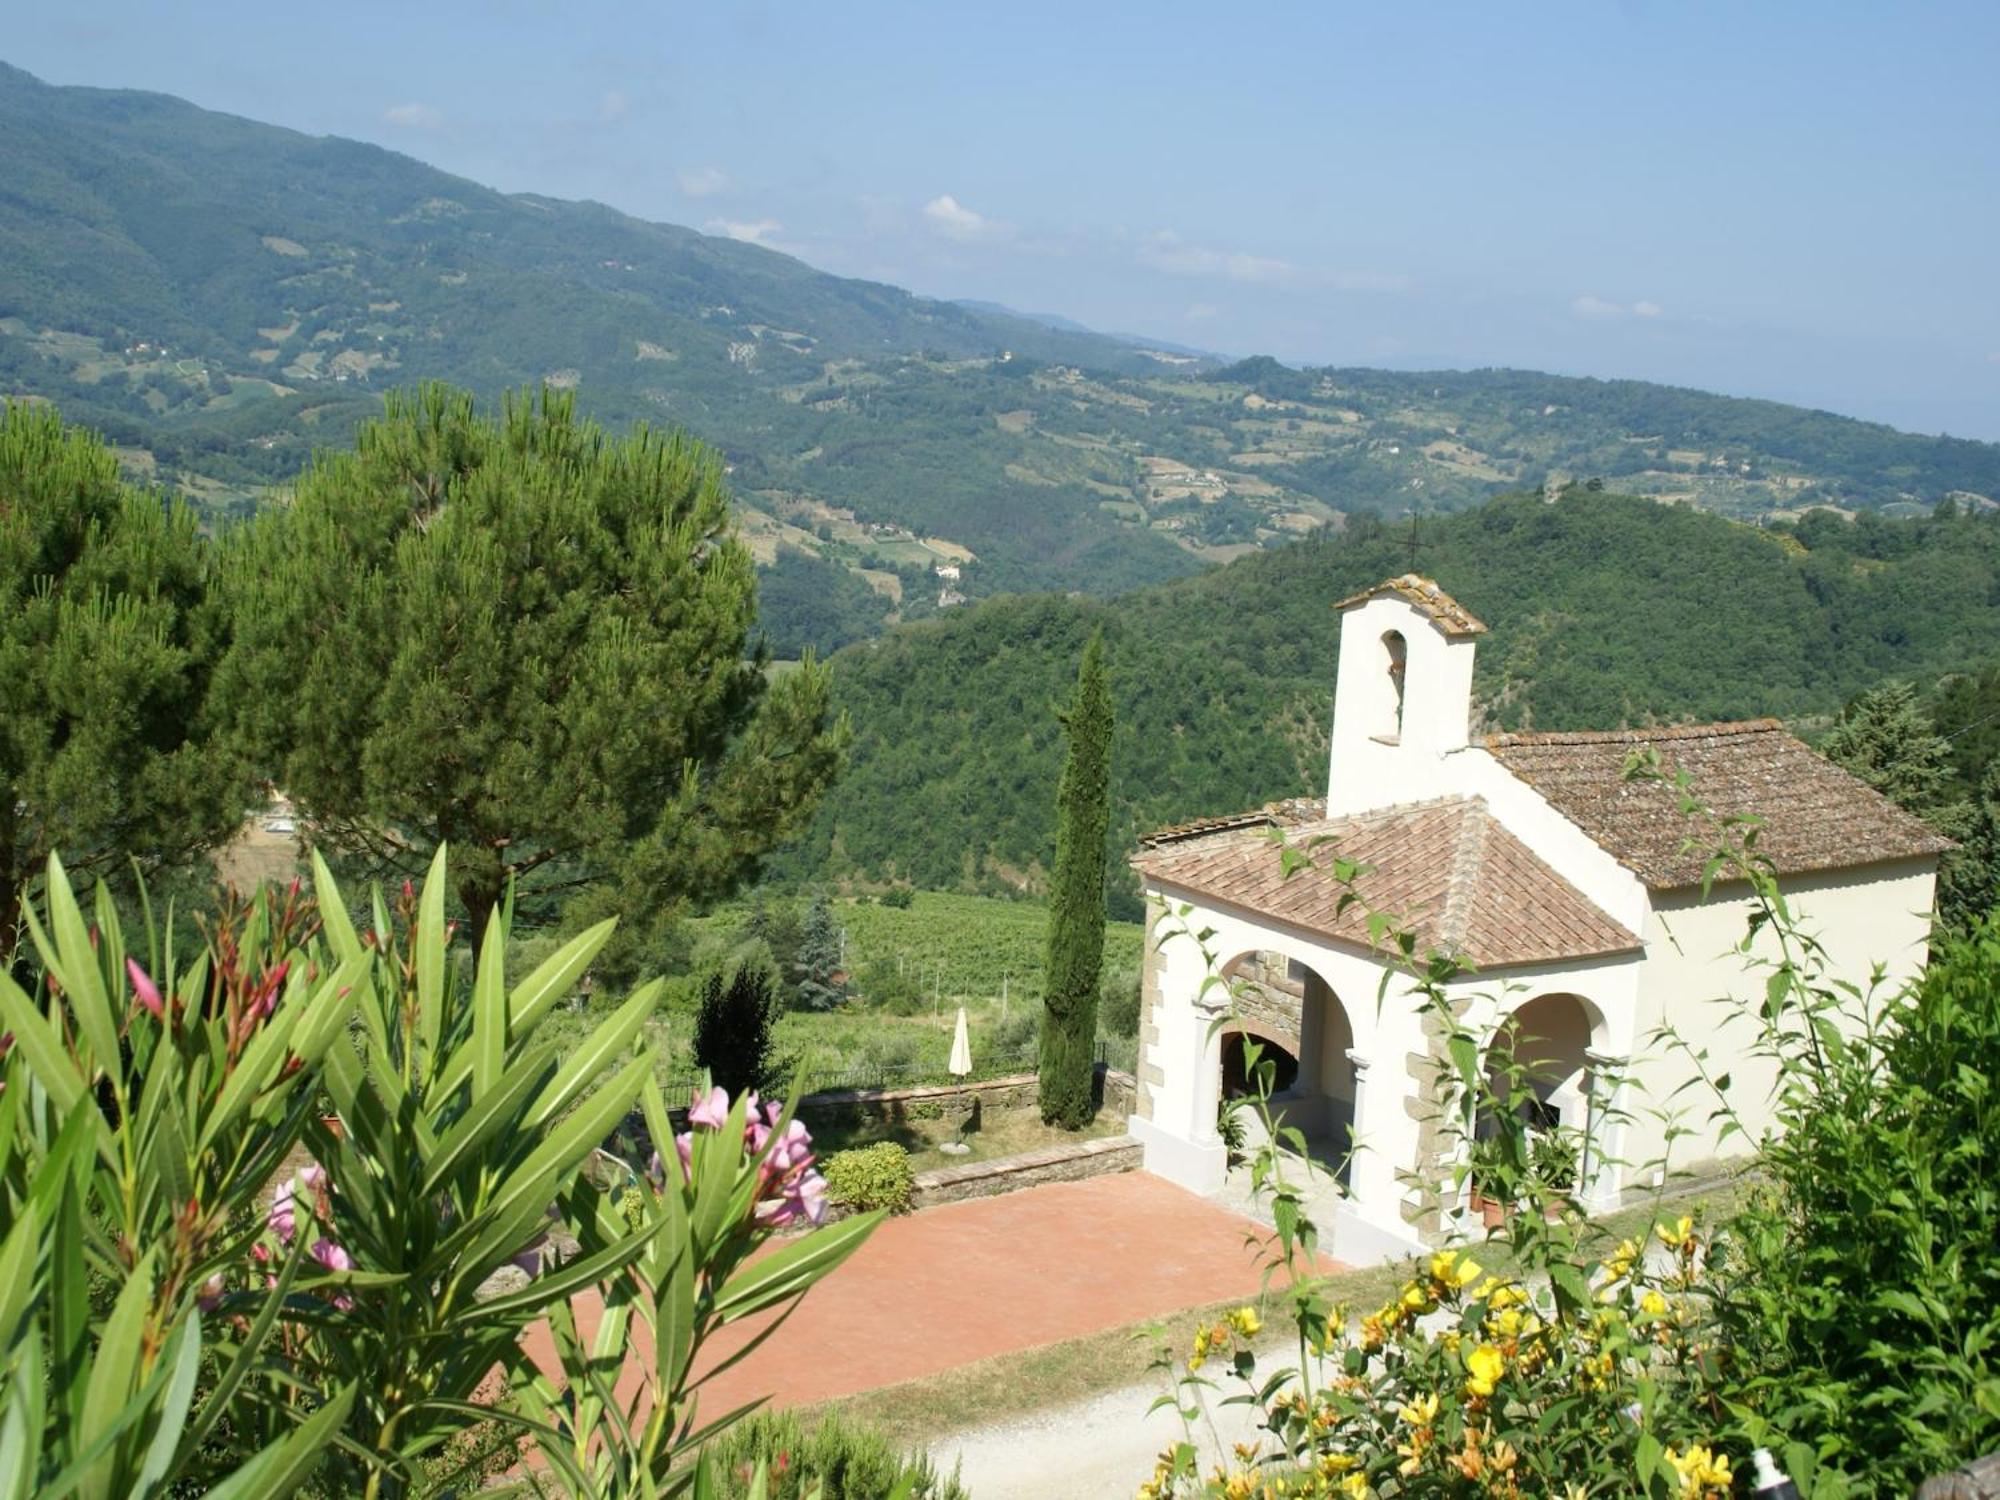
<point x="1604" y="611"/>
<point x="220" y="296"/>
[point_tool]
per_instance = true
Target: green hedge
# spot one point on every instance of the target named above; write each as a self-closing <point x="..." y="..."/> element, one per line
<point x="878" y="1176"/>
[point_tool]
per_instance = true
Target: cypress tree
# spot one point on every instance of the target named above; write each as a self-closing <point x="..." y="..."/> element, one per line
<point x="732" y="1029"/>
<point x="1076" y="900"/>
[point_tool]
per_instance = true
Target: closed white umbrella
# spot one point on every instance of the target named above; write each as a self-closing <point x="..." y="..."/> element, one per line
<point x="961" y="1049"/>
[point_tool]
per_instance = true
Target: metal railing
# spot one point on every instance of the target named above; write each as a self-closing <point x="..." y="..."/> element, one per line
<point x="908" y="1075"/>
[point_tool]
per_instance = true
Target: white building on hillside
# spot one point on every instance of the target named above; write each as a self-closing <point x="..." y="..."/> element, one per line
<point x="1566" y="886"/>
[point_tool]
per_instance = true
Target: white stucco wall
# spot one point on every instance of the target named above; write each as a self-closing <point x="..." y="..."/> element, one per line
<point x="1379" y="759"/>
<point x="1375" y="759"/>
<point x="1695" y="982"/>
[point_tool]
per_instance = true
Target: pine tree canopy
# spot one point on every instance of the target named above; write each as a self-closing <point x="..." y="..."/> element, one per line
<point x="108" y="635"/>
<point x="517" y="634"/>
<point x="1885" y="738"/>
<point x="1076" y="899"/>
<point x="820" y="986"/>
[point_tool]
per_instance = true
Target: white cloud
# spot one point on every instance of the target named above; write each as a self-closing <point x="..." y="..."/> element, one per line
<point x="1601" y="310"/>
<point x="751" y="232"/>
<point x="1201" y="312"/>
<point x="614" y="107"/>
<point x="955" y="221"/>
<point x="413" y="116"/>
<point x="702" y="182"/>
<point x="1166" y="251"/>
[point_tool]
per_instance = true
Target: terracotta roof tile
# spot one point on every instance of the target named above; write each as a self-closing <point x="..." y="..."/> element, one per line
<point x="1815" y="815"/>
<point x="1451" y="616"/>
<point x="1448" y="869"/>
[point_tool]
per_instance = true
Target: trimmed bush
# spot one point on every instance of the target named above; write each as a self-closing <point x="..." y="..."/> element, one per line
<point x="878" y="1176"/>
<point x="847" y="1461"/>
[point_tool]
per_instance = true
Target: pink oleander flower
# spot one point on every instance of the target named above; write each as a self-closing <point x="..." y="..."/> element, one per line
<point x="711" y="1112"/>
<point x="312" y="1177"/>
<point x="144" y="990"/>
<point x="334" y="1258"/>
<point x="283" y="1217"/>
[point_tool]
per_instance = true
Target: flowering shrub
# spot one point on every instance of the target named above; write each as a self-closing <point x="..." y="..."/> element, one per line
<point x="1847" y="1319"/>
<point x="349" y="1333"/>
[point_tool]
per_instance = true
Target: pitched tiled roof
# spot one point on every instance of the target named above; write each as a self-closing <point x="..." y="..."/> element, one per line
<point x="1815" y="815"/>
<point x="1448" y="869"/>
<point x="1450" y="616"/>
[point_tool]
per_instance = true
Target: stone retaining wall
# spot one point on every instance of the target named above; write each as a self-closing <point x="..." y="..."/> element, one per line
<point x="1067" y="1162"/>
<point x="951" y="1101"/>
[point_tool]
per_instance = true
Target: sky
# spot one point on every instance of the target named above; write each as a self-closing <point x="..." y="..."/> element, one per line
<point x="1792" y="200"/>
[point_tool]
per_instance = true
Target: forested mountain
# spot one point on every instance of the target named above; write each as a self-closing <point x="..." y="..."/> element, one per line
<point x="1605" y="611"/>
<point x="220" y="296"/>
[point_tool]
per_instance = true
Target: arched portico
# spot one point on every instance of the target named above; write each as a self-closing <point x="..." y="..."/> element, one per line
<point x="1221" y="971"/>
<point x="1552" y="1066"/>
<point x="1303" y="1024"/>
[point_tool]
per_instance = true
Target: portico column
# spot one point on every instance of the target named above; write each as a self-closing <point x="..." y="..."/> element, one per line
<point x="1181" y="1141"/>
<point x="1597" y="1174"/>
<point x="1206" y="1095"/>
<point x="1371" y="1172"/>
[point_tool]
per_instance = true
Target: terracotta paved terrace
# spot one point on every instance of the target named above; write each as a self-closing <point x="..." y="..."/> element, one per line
<point x="966" y="1281"/>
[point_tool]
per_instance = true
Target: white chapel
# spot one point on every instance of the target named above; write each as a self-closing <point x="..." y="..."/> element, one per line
<point x="1566" y="888"/>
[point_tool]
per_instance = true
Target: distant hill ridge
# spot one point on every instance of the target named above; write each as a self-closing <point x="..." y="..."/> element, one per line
<point x="221" y="296"/>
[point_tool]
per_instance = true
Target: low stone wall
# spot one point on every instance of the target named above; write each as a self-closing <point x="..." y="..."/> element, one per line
<point x="1067" y="1162"/>
<point x="952" y="1101"/>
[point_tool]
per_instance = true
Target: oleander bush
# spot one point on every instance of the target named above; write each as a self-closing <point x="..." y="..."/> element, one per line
<point x="844" y="1460"/>
<point x="184" y="1308"/>
<point x="871" y="1177"/>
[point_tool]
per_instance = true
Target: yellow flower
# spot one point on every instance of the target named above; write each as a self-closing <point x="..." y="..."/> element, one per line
<point x="1451" y="1271"/>
<point x="1373" y="1334"/>
<point x="1333" y="1465"/>
<point x="1653" y="1305"/>
<point x="1420" y="1412"/>
<point x="1679" y="1237"/>
<point x="1355" y="1486"/>
<point x="1483" y="1367"/>
<point x="1417" y="1299"/>
<point x="1704" y="1472"/>
<point x="1246" y="1322"/>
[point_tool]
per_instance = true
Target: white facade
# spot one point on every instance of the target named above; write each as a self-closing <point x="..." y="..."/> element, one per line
<point x="1401" y="735"/>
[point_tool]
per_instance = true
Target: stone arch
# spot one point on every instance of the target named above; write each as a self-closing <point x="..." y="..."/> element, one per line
<point x="1306" y="1030"/>
<point x="1396" y="653"/>
<point x="1540" y="1067"/>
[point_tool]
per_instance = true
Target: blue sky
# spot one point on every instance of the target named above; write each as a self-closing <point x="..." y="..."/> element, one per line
<point x="1791" y="200"/>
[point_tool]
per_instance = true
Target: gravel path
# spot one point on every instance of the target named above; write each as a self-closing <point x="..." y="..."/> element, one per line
<point x="1100" y="1449"/>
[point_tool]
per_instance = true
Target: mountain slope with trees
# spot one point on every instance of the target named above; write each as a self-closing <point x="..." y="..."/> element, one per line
<point x="221" y="297"/>
<point x="1605" y="611"/>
